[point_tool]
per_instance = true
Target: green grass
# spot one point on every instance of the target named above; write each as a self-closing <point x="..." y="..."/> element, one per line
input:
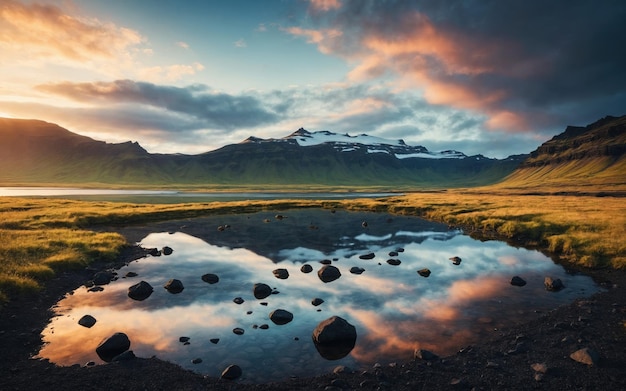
<point x="41" y="237"/>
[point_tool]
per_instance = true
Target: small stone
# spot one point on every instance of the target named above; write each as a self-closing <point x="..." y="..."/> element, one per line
<point x="317" y="301"/>
<point x="140" y="291"/>
<point x="261" y="290"/>
<point x="306" y="268"/>
<point x="174" y="286"/>
<point x="393" y="253"/>
<point x="95" y="289"/>
<point x="456" y="260"/>
<point x="183" y="339"/>
<point x="539" y="367"/>
<point x="238" y="300"/>
<point x="553" y="285"/>
<point x="167" y="250"/>
<point x="356" y="270"/>
<point x="518" y="281"/>
<point x="214" y="340"/>
<point x="232" y="372"/>
<point x="423" y="354"/>
<point x="326" y="261"/>
<point x="328" y="273"/>
<point x="282" y="274"/>
<point x="87" y="321"/>
<point x="424" y="272"/>
<point x="586" y="356"/>
<point x="367" y="256"/>
<point x="394" y="262"/>
<point x="238" y="331"/>
<point x="196" y="361"/>
<point x="264" y="326"/>
<point x="130" y="274"/>
<point x="281" y="317"/>
<point x="492" y="364"/>
<point x="210" y="278"/>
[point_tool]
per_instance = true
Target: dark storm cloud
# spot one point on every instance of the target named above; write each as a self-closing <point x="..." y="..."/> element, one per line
<point x="204" y="107"/>
<point x="524" y="64"/>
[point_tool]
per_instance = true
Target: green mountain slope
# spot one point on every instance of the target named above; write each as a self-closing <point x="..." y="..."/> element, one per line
<point x="590" y="158"/>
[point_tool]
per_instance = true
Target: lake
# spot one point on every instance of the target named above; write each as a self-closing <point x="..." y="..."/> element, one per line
<point x="173" y="196"/>
<point x="393" y="308"/>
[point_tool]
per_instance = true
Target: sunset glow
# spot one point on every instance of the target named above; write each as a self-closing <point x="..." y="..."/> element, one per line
<point x="194" y="78"/>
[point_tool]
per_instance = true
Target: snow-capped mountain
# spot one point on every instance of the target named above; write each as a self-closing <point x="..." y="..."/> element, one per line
<point x="362" y="142"/>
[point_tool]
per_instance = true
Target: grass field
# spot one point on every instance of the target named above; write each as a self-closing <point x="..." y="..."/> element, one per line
<point x="41" y="237"/>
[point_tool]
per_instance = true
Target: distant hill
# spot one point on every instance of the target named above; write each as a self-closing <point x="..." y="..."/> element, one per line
<point x="37" y="152"/>
<point x="590" y="158"/>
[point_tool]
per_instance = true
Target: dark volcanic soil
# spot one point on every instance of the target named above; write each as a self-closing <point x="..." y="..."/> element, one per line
<point x="502" y="362"/>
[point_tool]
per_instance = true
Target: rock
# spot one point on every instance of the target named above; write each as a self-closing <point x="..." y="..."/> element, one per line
<point x="306" y="268"/>
<point x="400" y="250"/>
<point x="183" y="339"/>
<point x="553" y="285"/>
<point x="328" y="273"/>
<point x="455" y="260"/>
<point x="174" y="286"/>
<point x="356" y="270"/>
<point x="364" y="224"/>
<point x="317" y="301"/>
<point x="393" y="262"/>
<point x="154" y="252"/>
<point x="103" y="278"/>
<point x="264" y="326"/>
<point x="126" y="356"/>
<point x="261" y="290"/>
<point x="210" y="278"/>
<point x="130" y="274"/>
<point x="238" y="331"/>
<point x="279" y="217"/>
<point x="281" y="316"/>
<point x="423" y="354"/>
<point x="238" y="300"/>
<point x="326" y="261"/>
<point x="167" y="250"/>
<point x="232" y="372"/>
<point x="367" y="256"/>
<point x="518" y="281"/>
<point x="539" y="367"/>
<point x="95" y="289"/>
<point x="586" y="356"/>
<point x="424" y="272"/>
<point x="393" y="253"/>
<point x="214" y="340"/>
<point x="140" y="291"/>
<point x="87" y="321"/>
<point x="334" y="338"/>
<point x="112" y="346"/>
<point x="341" y="369"/>
<point x="196" y="360"/>
<point x="282" y="274"/>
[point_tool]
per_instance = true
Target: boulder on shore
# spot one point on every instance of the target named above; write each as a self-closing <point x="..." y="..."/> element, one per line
<point x="113" y="346"/>
<point x="334" y="338"/>
<point x="232" y="372"/>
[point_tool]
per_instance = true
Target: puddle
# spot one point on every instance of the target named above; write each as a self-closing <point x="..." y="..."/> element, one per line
<point x="393" y="308"/>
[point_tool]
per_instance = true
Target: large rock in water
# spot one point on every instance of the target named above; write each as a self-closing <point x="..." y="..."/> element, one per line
<point x="261" y="290"/>
<point x="174" y="286"/>
<point x="113" y="346"/>
<point x="553" y="285"/>
<point x="334" y="338"/>
<point x="328" y="273"/>
<point x="140" y="291"/>
<point x="232" y="372"/>
<point x="281" y="317"/>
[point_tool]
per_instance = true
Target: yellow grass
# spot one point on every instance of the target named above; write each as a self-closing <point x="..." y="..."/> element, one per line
<point x="39" y="237"/>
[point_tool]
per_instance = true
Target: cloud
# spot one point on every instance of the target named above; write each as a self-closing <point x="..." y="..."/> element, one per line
<point x="325" y="5"/>
<point x="169" y="73"/>
<point x="525" y="66"/>
<point x="240" y="43"/>
<point x="36" y="31"/>
<point x="182" y="44"/>
<point x="212" y="109"/>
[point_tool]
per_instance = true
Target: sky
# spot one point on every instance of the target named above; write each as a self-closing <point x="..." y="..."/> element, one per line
<point x="491" y="77"/>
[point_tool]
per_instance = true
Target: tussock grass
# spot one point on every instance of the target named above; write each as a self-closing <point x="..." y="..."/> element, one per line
<point x="40" y="237"/>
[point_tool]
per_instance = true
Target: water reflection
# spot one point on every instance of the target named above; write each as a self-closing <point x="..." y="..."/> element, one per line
<point x="393" y="309"/>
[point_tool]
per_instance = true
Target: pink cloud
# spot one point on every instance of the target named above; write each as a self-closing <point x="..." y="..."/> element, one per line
<point x="45" y="31"/>
<point x="325" y="5"/>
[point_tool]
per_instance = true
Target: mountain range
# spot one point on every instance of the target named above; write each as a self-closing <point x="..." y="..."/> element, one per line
<point x="38" y="152"/>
